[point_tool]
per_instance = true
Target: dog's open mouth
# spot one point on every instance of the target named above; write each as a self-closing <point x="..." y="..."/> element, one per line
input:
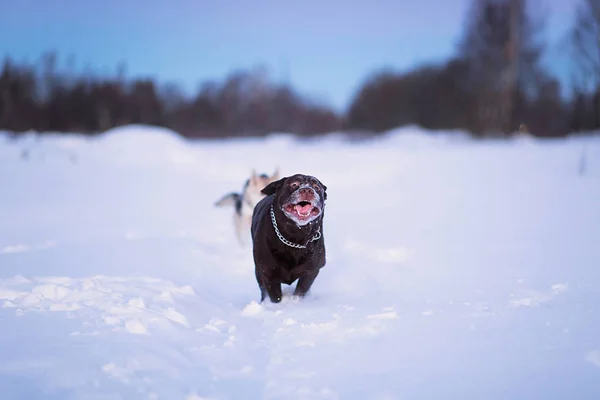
<point x="302" y="210"/>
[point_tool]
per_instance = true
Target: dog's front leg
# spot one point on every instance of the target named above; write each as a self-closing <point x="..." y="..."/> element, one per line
<point x="261" y="286"/>
<point x="269" y="286"/>
<point x="305" y="282"/>
<point x="273" y="288"/>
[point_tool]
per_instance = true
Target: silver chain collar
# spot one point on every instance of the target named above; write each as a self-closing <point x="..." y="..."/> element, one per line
<point x="317" y="235"/>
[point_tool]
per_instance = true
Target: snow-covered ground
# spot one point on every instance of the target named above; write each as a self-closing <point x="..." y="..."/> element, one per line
<point x="456" y="270"/>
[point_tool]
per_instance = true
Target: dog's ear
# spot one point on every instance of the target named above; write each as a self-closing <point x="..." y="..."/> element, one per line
<point x="324" y="189"/>
<point x="273" y="187"/>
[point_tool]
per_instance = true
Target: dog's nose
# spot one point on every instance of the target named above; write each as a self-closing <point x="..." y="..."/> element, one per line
<point x="307" y="191"/>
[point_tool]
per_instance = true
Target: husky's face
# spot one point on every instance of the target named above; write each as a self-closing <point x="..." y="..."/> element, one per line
<point x="252" y="190"/>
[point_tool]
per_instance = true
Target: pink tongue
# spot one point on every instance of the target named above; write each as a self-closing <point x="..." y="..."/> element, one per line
<point x="303" y="210"/>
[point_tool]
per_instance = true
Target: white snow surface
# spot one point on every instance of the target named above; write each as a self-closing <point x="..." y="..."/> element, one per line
<point x="456" y="269"/>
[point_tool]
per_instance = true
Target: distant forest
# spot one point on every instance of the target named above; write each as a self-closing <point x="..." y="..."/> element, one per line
<point x="494" y="85"/>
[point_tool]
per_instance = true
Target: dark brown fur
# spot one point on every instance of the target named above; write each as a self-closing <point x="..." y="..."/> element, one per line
<point x="275" y="262"/>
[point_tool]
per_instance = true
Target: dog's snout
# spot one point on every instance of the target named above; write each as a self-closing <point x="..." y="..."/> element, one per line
<point x="307" y="193"/>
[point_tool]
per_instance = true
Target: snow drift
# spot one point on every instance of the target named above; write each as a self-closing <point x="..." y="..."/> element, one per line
<point x="456" y="269"/>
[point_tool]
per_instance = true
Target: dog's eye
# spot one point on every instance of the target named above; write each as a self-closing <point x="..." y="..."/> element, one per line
<point x="294" y="185"/>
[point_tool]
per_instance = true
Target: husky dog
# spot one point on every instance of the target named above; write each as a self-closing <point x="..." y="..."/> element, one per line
<point x="245" y="202"/>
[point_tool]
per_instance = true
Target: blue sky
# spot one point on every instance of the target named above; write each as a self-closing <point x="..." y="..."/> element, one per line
<point x="324" y="49"/>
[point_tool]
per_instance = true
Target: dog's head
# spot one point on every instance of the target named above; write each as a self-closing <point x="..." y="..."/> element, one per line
<point x="254" y="185"/>
<point x="300" y="197"/>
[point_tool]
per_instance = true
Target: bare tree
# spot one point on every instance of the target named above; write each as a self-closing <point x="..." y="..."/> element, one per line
<point x="585" y="45"/>
<point x="585" y="40"/>
<point x="502" y="49"/>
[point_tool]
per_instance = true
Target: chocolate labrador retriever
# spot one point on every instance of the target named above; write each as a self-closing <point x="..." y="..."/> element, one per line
<point x="287" y="235"/>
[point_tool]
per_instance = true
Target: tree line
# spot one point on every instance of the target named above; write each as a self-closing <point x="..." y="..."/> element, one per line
<point x="494" y="85"/>
<point x="44" y="99"/>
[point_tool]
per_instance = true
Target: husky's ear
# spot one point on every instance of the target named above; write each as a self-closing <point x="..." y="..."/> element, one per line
<point x="273" y="187"/>
<point x="275" y="175"/>
<point x="253" y="177"/>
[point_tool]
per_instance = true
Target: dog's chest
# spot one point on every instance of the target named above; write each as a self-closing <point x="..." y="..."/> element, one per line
<point x="290" y="275"/>
<point x="291" y="265"/>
